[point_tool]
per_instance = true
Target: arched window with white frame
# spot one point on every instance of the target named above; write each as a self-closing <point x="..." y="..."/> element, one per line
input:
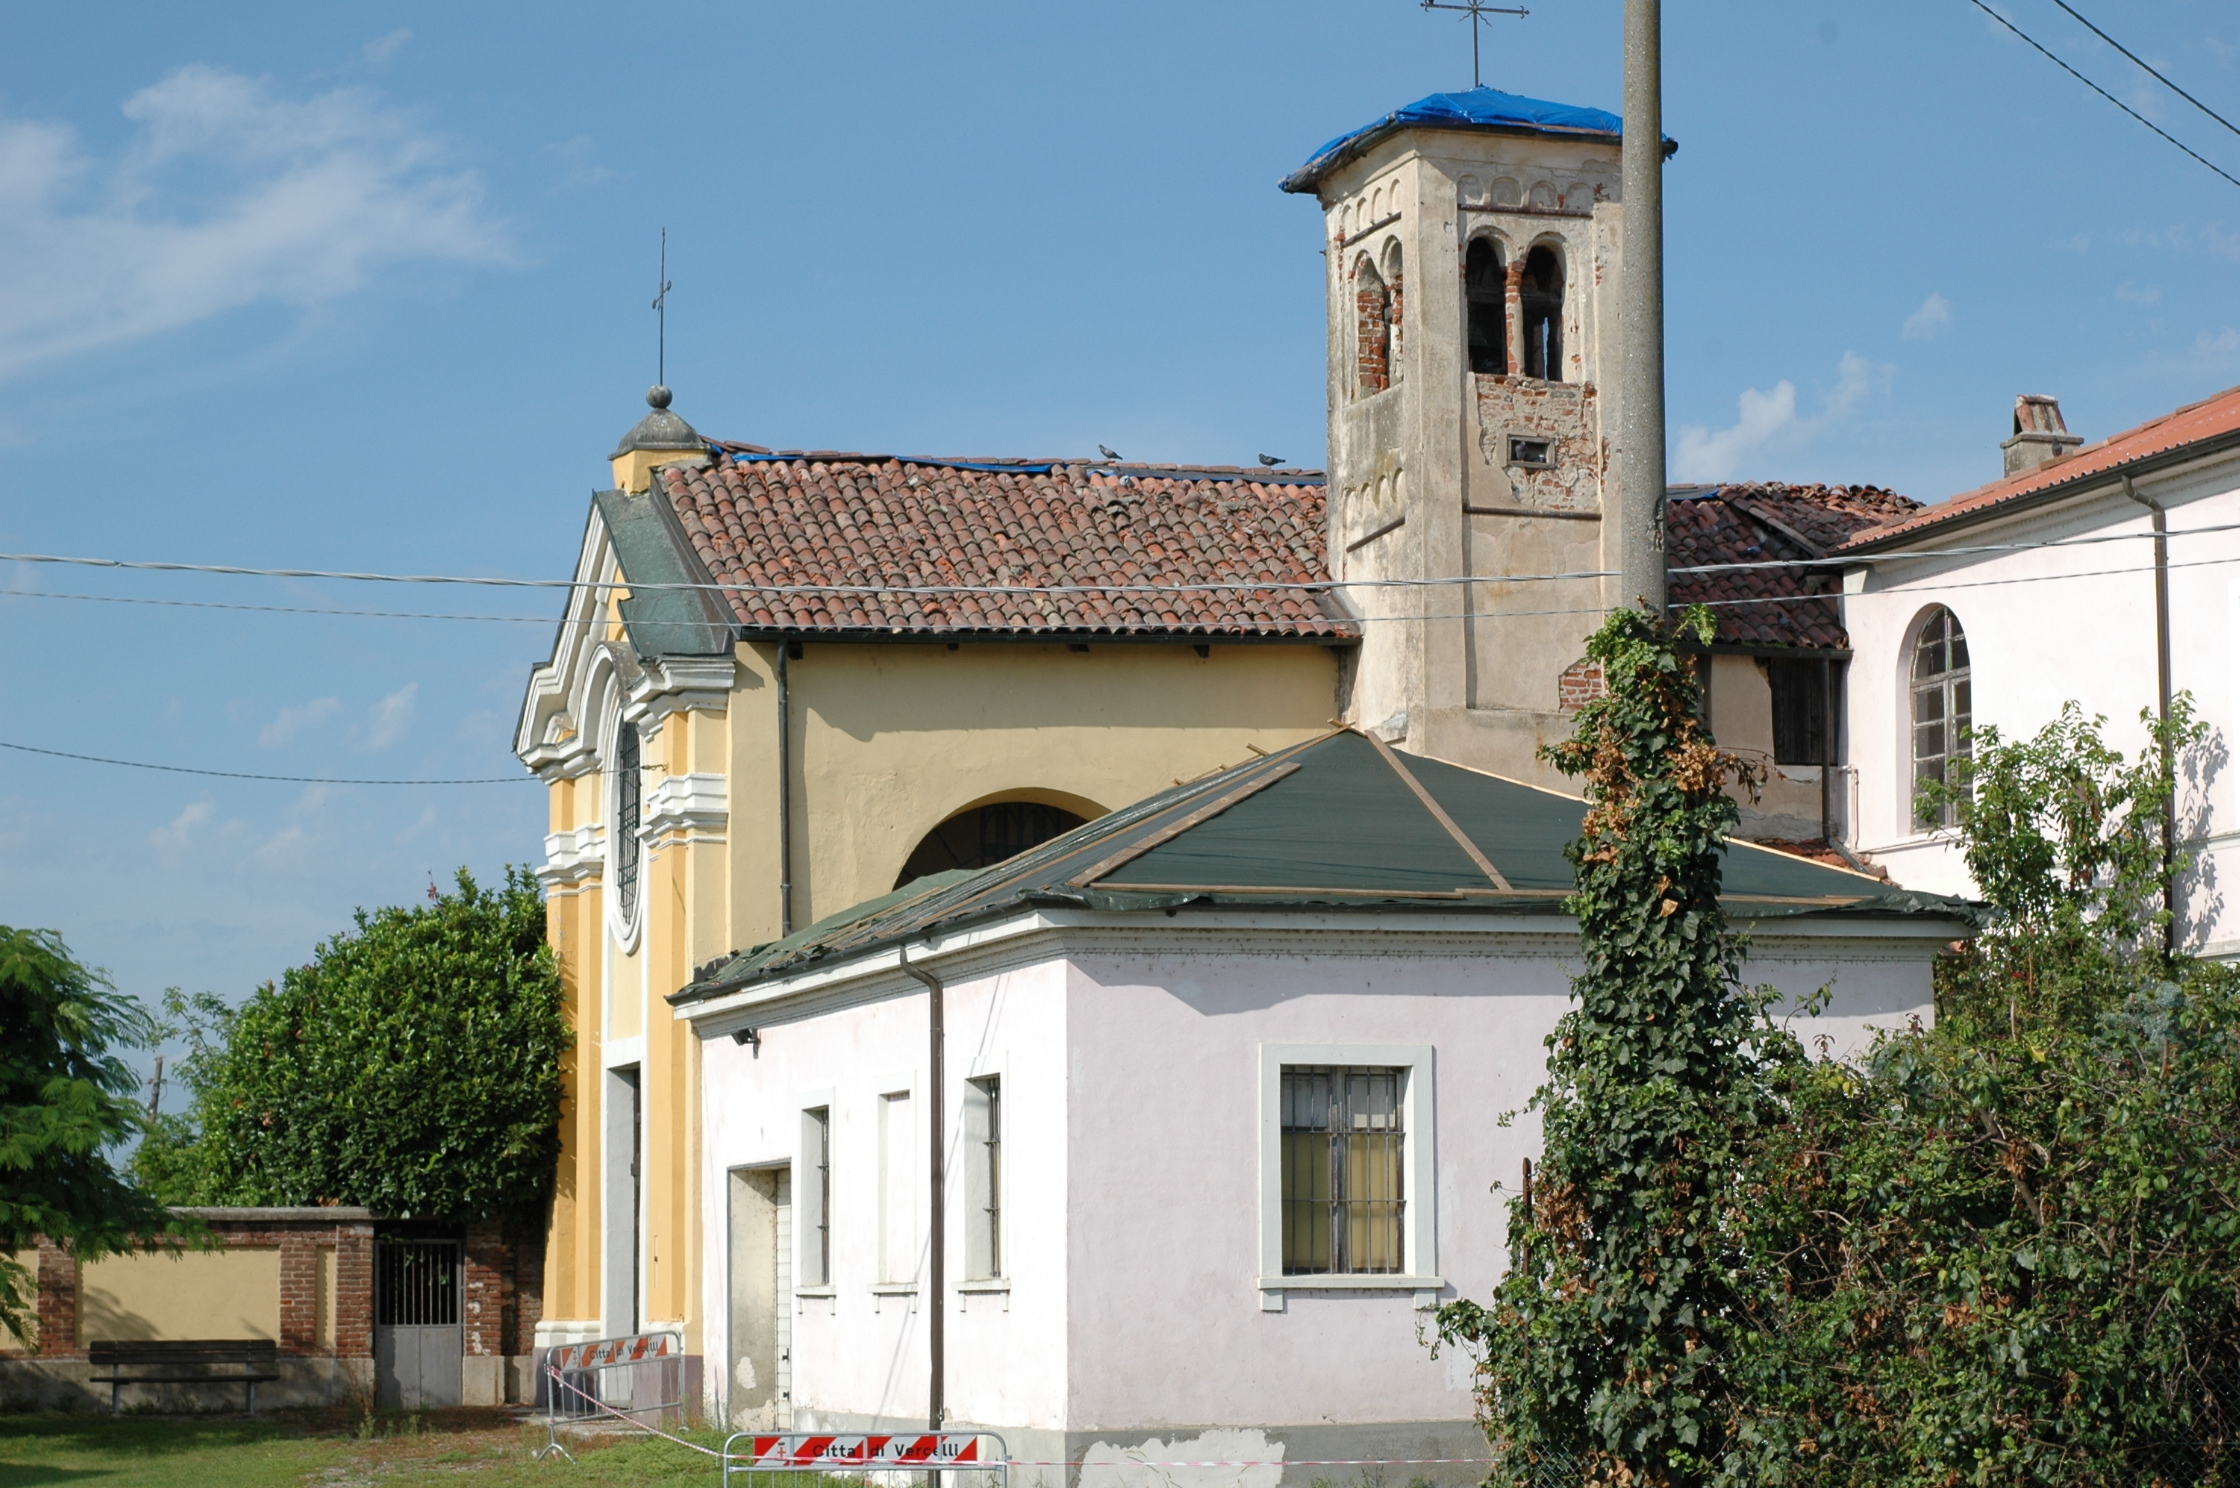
<point x="1942" y="712"/>
<point x="629" y="812"/>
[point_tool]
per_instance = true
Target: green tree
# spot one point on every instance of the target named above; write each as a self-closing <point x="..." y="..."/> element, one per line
<point x="1605" y="1346"/>
<point x="414" y="1067"/>
<point x="2006" y="1250"/>
<point x="66" y="1100"/>
<point x="2065" y="840"/>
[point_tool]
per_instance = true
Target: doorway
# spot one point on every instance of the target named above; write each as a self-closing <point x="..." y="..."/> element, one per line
<point x="418" y="1340"/>
<point x="622" y="1307"/>
<point x="758" y="1386"/>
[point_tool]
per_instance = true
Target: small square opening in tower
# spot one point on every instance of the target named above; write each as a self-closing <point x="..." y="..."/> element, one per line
<point x="1538" y="454"/>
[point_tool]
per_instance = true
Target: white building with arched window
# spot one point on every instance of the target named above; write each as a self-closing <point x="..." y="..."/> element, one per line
<point x="1996" y="608"/>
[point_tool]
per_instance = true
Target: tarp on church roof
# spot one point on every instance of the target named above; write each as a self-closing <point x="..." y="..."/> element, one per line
<point x="1478" y="108"/>
<point x="1339" y="823"/>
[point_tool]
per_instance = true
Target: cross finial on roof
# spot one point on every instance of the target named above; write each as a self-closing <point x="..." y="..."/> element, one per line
<point x="1477" y="10"/>
<point x="661" y="311"/>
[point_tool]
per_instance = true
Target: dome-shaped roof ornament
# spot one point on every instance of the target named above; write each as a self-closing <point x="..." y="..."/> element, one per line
<point x="660" y="429"/>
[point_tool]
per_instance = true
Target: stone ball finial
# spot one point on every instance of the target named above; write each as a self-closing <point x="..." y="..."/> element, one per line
<point x="658" y="396"/>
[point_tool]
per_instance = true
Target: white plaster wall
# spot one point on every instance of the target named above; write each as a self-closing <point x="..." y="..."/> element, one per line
<point x="1166" y="1326"/>
<point x="860" y="1358"/>
<point x="2046" y="626"/>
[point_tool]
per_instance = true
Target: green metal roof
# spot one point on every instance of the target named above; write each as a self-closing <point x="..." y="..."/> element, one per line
<point x="1341" y="822"/>
<point x="651" y="548"/>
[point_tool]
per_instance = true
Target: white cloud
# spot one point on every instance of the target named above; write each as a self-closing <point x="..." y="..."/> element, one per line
<point x="2218" y="344"/>
<point x="392" y="717"/>
<point x="1933" y="319"/>
<point x="1768" y="421"/>
<point x="171" y="842"/>
<point x="226" y="197"/>
<point x="294" y="719"/>
<point x="382" y="50"/>
<point x="2137" y="294"/>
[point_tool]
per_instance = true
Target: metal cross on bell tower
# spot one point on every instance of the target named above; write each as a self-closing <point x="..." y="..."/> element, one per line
<point x="1477" y="13"/>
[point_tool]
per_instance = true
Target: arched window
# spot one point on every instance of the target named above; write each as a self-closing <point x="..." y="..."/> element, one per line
<point x="1942" y="710"/>
<point x="1372" y="331"/>
<point x="628" y="804"/>
<point x="1543" y="314"/>
<point x="1396" y="321"/>
<point x="985" y="836"/>
<point x="1484" y="286"/>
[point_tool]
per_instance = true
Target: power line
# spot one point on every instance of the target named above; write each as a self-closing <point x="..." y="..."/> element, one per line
<point x="212" y="604"/>
<point x="95" y="759"/>
<point x="2149" y="70"/>
<point x="1223" y="586"/>
<point x="2095" y="87"/>
<point x="1770" y="599"/>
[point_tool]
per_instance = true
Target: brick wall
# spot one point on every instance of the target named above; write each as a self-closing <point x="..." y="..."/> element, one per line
<point x="1373" y="338"/>
<point x="58" y="1300"/>
<point x="1580" y="684"/>
<point x="353" y="1279"/>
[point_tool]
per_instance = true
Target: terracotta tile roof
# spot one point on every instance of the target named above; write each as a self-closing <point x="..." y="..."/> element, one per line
<point x="1763" y="524"/>
<point x="2188" y="425"/>
<point x="829" y="518"/>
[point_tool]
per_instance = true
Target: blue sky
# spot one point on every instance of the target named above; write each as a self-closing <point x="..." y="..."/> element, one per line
<point x="365" y="286"/>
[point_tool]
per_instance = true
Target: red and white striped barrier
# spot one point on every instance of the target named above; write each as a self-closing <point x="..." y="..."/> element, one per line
<point x="925" y="1449"/>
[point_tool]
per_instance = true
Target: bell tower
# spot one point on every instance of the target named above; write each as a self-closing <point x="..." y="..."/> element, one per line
<point x="1472" y="241"/>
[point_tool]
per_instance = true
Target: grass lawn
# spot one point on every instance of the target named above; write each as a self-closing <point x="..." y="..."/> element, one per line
<point x="462" y="1449"/>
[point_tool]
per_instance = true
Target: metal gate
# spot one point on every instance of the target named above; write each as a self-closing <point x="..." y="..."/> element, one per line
<point x="417" y="1338"/>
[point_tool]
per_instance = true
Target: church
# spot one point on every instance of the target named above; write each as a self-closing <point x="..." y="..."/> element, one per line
<point x="796" y="688"/>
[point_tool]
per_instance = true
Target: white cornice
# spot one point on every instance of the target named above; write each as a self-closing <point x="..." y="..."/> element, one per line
<point x="687" y="803"/>
<point x="679" y="684"/>
<point x="572" y="857"/>
<point x="1042" y="935"/>
<point x="550" y="738"/>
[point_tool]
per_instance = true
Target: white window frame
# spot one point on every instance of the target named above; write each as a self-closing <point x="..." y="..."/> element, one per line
<point x="1909" y="819"/>
<point x="979" y="1239"/>
<point x="906" y="1085"/>
<point x="1419" y="1240"/>
<point x="808" y="1197"/>
<point x="626" y="926"/>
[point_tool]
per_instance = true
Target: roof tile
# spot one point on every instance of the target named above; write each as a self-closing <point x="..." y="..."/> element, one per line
<point x="848" y="521"/>
<point x="2188" y="425"/>
<point x="1750" y="524"/>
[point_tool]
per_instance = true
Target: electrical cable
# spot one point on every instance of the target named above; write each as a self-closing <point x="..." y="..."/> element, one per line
<point x="1768" y="599"/>
<point x="2095" y="87"/>
<point x="95" y="759"/>
<point x="2145" y="67"/>
<point x="212" y="604"/>
<point x="1226" y="586"/>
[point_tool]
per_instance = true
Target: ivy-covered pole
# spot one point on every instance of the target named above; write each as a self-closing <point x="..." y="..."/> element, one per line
<point x="1602" y="1347"/>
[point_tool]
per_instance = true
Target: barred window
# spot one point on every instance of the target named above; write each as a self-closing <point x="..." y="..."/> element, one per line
<point x="1343" y="1208"/>
<point x="627" y="813"/>
<point x="1943" y="706"/>
<point x="983" y="1135"/>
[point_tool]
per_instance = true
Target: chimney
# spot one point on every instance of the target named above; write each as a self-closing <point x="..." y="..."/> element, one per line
<point x="2040" y="437"/>
<point x="661" y="438"/>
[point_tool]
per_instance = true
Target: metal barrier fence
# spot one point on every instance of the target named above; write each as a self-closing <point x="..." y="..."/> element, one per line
<point x="860" y="1455"/>
<point x="634" y="1376"/>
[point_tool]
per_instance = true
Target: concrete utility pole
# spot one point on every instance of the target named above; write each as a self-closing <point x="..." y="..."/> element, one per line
<point x="1641" y="477"/>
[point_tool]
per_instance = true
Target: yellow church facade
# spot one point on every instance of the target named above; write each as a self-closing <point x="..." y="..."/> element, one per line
<point x="789" y="681"/>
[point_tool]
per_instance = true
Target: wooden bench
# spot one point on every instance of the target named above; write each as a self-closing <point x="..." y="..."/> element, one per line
<point x="256" y="1359"/>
